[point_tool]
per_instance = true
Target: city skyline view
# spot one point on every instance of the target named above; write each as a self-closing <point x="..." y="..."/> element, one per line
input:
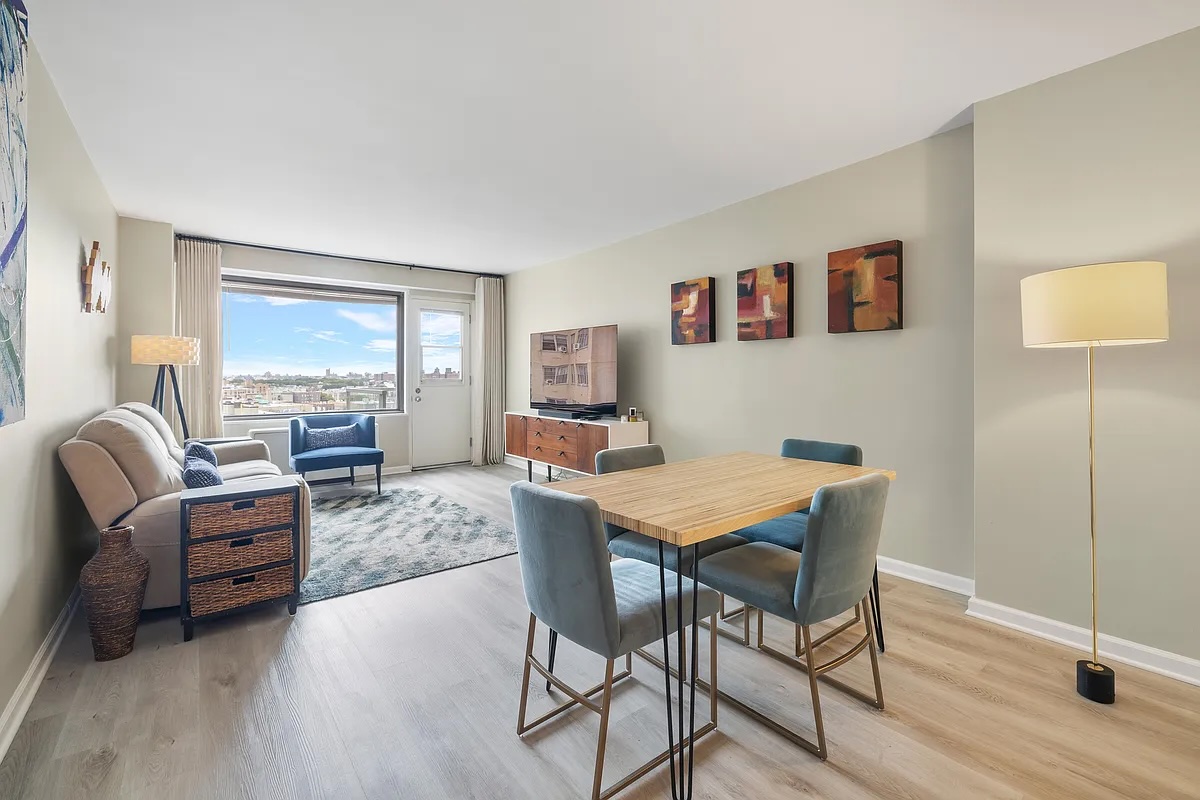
<point x="293" y="336"/>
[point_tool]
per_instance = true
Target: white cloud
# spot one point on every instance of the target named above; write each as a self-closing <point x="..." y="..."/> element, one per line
<point x="243" y="298"/>
<point x="381" y="345"/>
<point x="372" y="321"/>
<point x="326" y="336"/>
<point x="284" y="301"/>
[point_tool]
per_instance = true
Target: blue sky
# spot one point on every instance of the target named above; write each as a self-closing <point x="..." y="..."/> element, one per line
<point x="292" y="336"/>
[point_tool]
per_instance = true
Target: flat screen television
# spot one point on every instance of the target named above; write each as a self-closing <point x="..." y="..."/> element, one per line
<point x="573" y="372"/>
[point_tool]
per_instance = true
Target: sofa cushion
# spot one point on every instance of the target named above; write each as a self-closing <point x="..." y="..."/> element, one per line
<point x="201" y="451"/>
<point x="246" y="470"/>
<point x="321" y="438"/>
<point x="198" y="474"/>
<point x="138" y="450"/>
<point x="160" y="426"/>
<point x="336" y="458"/>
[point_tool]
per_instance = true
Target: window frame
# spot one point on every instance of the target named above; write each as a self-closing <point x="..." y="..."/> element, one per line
<point x="460" y="347"/>
<point x="332" y="290"/>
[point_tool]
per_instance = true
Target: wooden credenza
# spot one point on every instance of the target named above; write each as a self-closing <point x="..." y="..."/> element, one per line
<point x="568" y="443"/>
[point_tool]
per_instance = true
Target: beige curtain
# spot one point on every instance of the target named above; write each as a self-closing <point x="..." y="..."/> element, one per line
<point x="198" y="314"/>
<point x="487" y="388"/>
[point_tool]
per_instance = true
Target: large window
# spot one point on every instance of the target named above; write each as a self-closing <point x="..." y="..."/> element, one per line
<point x="292" y="349"/>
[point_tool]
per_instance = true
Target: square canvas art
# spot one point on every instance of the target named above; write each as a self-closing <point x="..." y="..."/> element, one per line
<point x="692" y="312"/>
<point x="14" y="191"/>
<point x="764" y="302"/>
<point x="865" y="288"/>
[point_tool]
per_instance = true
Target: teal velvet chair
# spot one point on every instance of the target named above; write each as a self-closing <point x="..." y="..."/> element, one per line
<point x="830" y="577"/>
<point x="790" y="529"/>
<point x="608" y="608"/>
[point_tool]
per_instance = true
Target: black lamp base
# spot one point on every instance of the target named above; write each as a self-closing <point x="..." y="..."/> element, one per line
<point x="1096" y="682"/>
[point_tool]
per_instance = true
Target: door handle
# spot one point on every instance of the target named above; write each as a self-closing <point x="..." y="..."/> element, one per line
<point x="537" y="434"/>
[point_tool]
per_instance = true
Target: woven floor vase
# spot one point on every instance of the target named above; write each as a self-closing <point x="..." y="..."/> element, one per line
<point x="113" y="585"/>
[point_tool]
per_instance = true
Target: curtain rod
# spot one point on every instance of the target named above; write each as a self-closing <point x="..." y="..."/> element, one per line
<point x="316" y="254"/>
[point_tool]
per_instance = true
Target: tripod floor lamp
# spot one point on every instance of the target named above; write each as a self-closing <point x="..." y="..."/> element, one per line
<point x="1099" y="305"/>
<point x="166" y="352"/>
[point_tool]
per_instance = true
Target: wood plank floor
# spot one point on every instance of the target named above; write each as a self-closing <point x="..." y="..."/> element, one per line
<point x="410" y="691"/>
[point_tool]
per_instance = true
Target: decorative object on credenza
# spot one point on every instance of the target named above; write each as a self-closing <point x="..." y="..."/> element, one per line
<point x="1099" y="305"/>
<point x="166" y="352"/>
<point x="113" y="585"/>
<point x="14" y="188"/>
<point x="97" y="282"/>
<point x="866" y="288"/>
<point x="764" y="302"/>
<point x="692" y="319"/>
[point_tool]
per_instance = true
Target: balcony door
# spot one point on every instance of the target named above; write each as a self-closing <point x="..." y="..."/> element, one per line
<point x="439" y="382"/>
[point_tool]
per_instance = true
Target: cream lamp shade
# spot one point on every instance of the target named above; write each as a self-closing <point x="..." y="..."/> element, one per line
<point x="1099" y="305"/>
<point x="155" y="349"/>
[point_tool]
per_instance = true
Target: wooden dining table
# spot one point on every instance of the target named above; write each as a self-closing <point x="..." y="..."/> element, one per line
<point x="684" y="503"/>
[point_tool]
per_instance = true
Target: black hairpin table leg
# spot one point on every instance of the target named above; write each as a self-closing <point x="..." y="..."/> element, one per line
<point x="682" y="772"/>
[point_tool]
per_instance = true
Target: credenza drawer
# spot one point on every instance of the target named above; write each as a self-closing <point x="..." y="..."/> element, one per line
<point x="554" y="455"/>
<point x="553" y="440"/>
<point x="245" y="552"/>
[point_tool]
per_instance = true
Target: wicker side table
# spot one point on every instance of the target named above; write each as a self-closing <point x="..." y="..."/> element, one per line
<point x="239" y="549"/>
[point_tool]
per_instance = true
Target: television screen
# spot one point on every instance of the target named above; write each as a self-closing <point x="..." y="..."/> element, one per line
<point x="574" y="369"/>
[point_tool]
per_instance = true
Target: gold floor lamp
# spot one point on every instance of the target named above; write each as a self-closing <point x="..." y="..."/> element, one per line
<point x="1099" y="305"/>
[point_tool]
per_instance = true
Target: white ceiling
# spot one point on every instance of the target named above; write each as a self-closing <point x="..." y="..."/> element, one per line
<point x="494" y="135"/>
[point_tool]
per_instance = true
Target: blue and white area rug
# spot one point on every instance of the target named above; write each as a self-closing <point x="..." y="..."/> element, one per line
<point x="361" y="541"/>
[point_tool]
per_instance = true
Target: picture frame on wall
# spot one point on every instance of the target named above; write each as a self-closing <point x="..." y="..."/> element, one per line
<point x="692" y="312"/>
<point x="764" y="302"/>
<point x="866" y="288"/>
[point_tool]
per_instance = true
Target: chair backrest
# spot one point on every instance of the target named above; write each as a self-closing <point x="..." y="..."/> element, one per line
<point x="564" y="565"/>
<point x="829" y="452"/>
<point x="840" y="547"/>
<point x="298" y="428"/>
<point x="619" y="459"/>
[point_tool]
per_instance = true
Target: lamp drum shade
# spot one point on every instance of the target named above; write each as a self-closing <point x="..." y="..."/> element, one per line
<point x="155" y="349"/>
<point x="1099" y="305"/>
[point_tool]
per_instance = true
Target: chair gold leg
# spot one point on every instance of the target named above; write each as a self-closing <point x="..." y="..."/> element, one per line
<point x="605" y="705"/>
<point x="525" y="676"/>
<point x="712" y="669"/>
<point x="822" y="753"/>
<point x="725" y="615"/>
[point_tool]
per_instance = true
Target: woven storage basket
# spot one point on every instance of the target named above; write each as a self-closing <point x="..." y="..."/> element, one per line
<point x="113" y="584"/>
<point x="214" y="519"/>
<point x="222" y="594"/>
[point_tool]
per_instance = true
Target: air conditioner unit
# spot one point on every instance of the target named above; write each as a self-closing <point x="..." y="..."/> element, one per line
<point x="562" y="348"/>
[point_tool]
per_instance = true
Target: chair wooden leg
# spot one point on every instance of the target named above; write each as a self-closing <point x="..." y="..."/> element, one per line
<point x="605" y="704"/>
<point x="822" y="753"/>
<point x="525" y="675"/>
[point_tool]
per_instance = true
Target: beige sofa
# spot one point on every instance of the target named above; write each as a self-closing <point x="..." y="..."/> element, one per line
<point x="128" y="468"/>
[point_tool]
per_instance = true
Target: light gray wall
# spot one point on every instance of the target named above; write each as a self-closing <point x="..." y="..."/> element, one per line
<point x="904" y="396"/>
<point x="146" y="299"/>
<point x="1099" y="164"/>
<point x="70" y="369"/>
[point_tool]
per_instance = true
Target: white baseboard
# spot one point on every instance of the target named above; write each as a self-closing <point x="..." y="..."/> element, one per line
<point x="930" y="577"/>
<point x="18" y="704"/>
<point x="1143" y="656"/>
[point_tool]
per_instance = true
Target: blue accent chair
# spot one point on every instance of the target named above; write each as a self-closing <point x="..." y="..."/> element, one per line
<point x="363" y="453"/>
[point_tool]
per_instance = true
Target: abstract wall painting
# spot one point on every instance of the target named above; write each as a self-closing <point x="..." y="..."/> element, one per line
<point x="14" y="192"/>
<point x="865" y="288"/>
<point x="764" y="302"/>
<point x="692" y="320"/>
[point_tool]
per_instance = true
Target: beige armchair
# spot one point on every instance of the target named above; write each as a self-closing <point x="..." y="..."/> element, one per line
<point x="128" y="468"/>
